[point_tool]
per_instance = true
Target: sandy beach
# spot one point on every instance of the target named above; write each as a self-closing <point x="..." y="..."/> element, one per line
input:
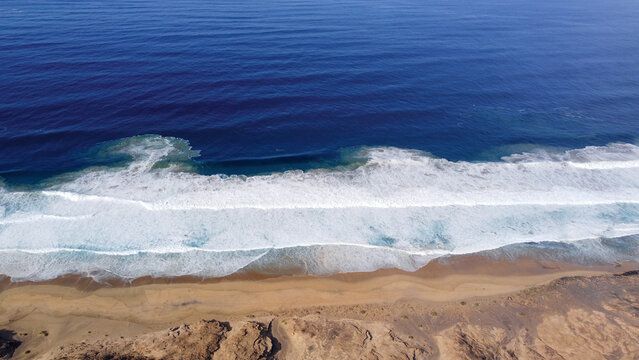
<point x="286" y="180"/>
<point x="503" y="309"/>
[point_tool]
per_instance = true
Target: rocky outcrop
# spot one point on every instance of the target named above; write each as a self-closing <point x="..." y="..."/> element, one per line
<point x="207" y="339"/>
<point x="579" y="334"/>
<point x="571" y="318"/>
<point x="251" y="341"/>
<point x="8" y="344"/>
<point x="315" y="337"/>
<point x="189" y="342"/>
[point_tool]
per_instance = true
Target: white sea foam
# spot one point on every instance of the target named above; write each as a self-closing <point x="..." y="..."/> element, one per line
<point x="403" y="201"/>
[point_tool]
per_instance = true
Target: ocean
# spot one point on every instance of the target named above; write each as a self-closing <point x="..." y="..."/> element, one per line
<point x="207" y="138"/>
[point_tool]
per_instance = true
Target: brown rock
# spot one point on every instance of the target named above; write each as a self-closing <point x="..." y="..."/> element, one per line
<point x="8" y="344"/>
<point x="251" y="342"/>
<point x="319" y="338"/>
<point x="188" y="342"/>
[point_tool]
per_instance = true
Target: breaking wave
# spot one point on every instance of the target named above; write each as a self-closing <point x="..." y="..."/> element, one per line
<point x="154" y="215"/>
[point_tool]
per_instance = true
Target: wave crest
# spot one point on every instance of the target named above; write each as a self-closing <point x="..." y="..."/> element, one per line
<point x="403" y="200"/>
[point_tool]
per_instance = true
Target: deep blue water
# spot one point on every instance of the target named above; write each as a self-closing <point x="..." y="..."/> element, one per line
<point x="267" y="85"/>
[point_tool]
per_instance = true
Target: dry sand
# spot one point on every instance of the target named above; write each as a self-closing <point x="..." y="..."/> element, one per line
<point x="465" y="307"/>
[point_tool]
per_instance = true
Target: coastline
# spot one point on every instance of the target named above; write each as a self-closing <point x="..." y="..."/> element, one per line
<point x="487" y="263"/>
<point x="76" y="309"/>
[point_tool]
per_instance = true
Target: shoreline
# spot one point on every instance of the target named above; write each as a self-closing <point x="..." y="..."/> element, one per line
<point x="472" y="263"/>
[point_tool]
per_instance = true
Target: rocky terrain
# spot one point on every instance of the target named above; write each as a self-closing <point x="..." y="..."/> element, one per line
<point x="8" y="344"/>
<point x="570" y="318"/>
